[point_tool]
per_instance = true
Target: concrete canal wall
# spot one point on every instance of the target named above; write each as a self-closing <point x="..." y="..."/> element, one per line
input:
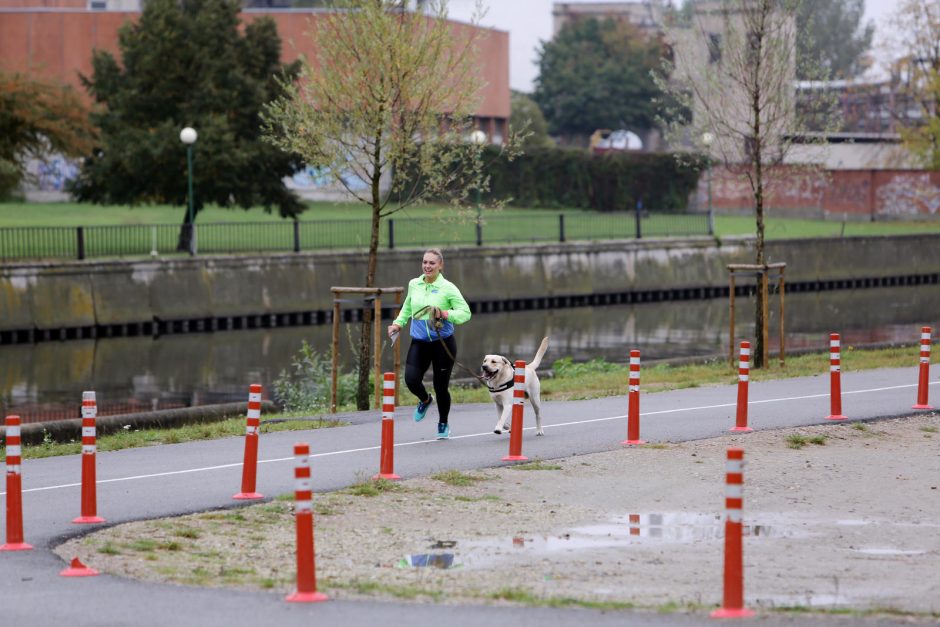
<point x="64" y="300"/>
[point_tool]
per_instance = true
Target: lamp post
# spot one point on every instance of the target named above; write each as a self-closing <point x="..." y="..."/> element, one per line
<point x="707" y="140"/>
<point x="478" y="137"/>
<point x="188" y="136"/>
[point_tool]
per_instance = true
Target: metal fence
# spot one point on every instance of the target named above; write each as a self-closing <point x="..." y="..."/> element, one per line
<point x="139" y="240"/>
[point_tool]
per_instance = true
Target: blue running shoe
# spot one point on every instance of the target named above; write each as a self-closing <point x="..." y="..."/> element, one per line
<point x="422" y="409"/>
<point x="443" y="431"/>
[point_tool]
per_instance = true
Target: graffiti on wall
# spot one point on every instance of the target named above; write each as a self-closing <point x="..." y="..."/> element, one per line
<point x="311" y="178"/>
<point x="50" y="175"/>
<point x="908" y="194"/>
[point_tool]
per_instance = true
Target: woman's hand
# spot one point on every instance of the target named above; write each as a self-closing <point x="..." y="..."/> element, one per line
<point x="393" y="330"/>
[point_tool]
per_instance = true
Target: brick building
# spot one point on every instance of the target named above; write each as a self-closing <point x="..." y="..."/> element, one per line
<point x="55" y="39"/>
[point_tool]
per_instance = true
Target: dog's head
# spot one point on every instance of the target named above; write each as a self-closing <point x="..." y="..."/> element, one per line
<point x="492" y="366"/>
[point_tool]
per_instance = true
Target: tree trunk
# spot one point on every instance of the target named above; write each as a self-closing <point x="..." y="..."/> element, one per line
<point x="184" y="241"/>
<point x="759" y="321"/>
<point x="757" y="154"/>
<point x="363" y="391"/>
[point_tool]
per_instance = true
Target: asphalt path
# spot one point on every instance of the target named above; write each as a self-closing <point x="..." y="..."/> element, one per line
<point x="169" y="480"/>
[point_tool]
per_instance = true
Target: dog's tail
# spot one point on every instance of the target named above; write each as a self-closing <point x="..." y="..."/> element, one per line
<point x="538" y="355"/>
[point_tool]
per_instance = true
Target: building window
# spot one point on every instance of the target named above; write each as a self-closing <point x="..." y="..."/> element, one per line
<point x="97" y="5"/>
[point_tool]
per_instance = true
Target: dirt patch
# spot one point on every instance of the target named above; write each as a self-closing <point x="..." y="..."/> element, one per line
<point x="852" y="521"/>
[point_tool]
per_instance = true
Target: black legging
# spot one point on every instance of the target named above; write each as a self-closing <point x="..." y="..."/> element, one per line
<point x="420" y="356"/>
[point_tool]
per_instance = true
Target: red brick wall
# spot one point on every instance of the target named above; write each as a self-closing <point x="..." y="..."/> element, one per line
<point x="855" y="194"/>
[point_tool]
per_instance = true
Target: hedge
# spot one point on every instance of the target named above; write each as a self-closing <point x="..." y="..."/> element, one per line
<point x="552" y="178"/>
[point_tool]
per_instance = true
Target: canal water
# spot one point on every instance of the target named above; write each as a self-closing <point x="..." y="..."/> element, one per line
<point x="44" y="381"/>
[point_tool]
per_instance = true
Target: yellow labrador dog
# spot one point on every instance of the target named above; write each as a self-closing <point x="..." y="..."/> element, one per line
<point x="497" y="373"/>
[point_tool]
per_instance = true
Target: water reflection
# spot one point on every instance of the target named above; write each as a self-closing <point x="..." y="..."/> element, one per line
<point x="144" y="373"/>
<point x="620" y="533"/>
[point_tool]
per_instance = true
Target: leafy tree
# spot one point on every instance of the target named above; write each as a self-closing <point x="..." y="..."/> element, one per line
<point x="389" y="97"/>
<point x="186" y="63"/>
<point x="526" y="116"/>
<point x="835" y="41"/>
<point x="596" y="74"/>
<point x="919" y="74"/>
<point x="37" y="118"/>
<point x="738" y="85"/>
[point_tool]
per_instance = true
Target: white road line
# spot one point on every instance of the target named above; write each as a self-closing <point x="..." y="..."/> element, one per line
<point x="471" y="435"/>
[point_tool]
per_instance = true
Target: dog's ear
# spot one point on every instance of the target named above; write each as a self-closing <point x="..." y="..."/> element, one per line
<point x="507" y="361"/>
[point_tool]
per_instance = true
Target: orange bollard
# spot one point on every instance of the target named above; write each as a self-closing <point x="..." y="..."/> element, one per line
<point x="250" y="464"/>
<point x="732" y="605"/>
<point x="387" y="454"/>
<point x="518" y="398"/>
<point x="923" y="380"/>
<point x="744" y="370"/>
<point x="633" y="401"/>
<point x="14" y="488"/>
<point x="89" y="448"/>
<point x="303" y="508"/>
<point x="835" y="379"/>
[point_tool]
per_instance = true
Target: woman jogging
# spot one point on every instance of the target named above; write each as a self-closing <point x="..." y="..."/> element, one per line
<point x="434" y="305"/>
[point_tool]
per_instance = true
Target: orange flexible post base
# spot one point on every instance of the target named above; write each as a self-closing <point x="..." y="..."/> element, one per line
<point x="77" y="569"/>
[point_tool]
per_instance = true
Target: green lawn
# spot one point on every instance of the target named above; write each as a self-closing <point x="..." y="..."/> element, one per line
<point x="137" y="231"/>
<point x="784" y="228"/>
<point x="75" y="214"/>
<point x="49" y="230"/>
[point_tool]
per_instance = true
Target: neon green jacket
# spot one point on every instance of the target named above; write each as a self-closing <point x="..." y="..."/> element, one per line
<point x="442" y="294"/>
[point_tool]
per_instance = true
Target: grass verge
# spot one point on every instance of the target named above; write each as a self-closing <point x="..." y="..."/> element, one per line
<point x="598" y="378"/>
<point x="135" y="438"/>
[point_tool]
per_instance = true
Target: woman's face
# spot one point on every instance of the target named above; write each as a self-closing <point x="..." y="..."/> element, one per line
<point x="431" y="266"/>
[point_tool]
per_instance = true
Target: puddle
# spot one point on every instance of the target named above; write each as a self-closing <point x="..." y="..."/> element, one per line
<point x="806" y="600"/>
<point x="888" y="551"/>
<point x="427" y="560"/>
<point x="640" y="529"/>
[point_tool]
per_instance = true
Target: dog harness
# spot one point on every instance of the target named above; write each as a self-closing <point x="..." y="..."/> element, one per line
<point x="503" y="387"/>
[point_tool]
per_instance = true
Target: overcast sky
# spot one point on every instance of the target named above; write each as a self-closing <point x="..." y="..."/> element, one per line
<point x="530" y="21"/>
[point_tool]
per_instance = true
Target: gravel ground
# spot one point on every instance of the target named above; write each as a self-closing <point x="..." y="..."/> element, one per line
<point x="852" y="521"/>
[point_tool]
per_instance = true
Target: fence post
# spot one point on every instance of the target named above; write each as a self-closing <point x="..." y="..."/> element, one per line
<point x="391" y="234"/>
<point x="636" y="213"/>
<point x="80" y="235"/>
<point x="296" y="235"/>
<point x="561" y="227"/>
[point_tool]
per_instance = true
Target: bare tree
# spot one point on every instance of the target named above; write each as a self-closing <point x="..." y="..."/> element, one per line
<point x="732" y="80"/>
<point x="917" y="68"/>
<point x="389" y="98"/>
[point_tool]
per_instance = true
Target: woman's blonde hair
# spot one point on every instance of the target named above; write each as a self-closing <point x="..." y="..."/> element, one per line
<point x="437" y="253"/>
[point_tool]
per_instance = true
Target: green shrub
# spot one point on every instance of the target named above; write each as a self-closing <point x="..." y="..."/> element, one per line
<point x="566" y="367"/>
<point x="307" y="389"/>
<point x="552" y="178"/>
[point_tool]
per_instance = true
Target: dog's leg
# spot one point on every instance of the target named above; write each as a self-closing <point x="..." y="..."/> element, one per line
<point x="535" y="399"/>
<point x="503" y="423"/>
<point x="499" y="416"/>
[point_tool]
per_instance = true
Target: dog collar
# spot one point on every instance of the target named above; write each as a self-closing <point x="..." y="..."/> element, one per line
<point x="503" y="387"/>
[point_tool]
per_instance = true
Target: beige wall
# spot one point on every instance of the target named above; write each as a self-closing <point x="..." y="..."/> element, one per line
<point x="87" y="293"/>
